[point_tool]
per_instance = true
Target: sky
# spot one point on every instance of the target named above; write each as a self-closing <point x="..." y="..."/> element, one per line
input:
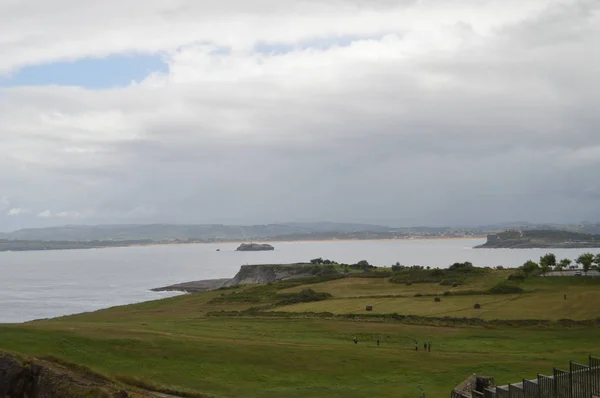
<point x="404" y="112"/>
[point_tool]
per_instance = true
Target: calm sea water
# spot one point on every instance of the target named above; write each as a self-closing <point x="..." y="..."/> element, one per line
<point x="53" y="283"/>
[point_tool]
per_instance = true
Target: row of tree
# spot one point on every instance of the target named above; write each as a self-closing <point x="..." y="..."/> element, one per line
<point x="362" y="264"/>
<point x="548" y="262"/>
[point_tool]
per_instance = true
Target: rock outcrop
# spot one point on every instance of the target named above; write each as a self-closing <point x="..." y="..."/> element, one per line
<point x="256" y="274"/>
<point x="43" y="379"/>
<point x="250" y="275"/>
<point x="473" y="383"/>
<point x="194" y="287"/>
<point x="254" y="247"/>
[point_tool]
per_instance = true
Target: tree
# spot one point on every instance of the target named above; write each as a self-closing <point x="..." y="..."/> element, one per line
<point x="461" y="266"/>
<point x="530" y="267"/>
<point x="362" y="264"/>
<point x="547" y="262"/>
<point x="586" y="260"/>
<point x="398" y="267"/>
<point x="564" y="263"/>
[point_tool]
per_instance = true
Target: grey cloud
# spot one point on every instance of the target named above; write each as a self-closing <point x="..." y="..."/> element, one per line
<point x="504" y="128"/>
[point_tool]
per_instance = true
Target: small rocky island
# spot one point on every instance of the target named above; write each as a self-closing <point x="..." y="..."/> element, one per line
<point x="254" y="247"/>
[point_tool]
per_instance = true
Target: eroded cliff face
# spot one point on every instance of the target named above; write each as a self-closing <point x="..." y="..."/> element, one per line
<point x="252" y="275"/>
<point x="255" y="274"/>
<point x="42" y="379"/>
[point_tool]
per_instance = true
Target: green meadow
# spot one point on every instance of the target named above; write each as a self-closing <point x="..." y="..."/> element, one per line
<point x="284" y="340"/>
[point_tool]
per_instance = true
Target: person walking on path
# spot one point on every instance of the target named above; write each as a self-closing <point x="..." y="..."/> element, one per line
<point x="425" y="346"/>
<point x="416" y="346"/>
<point x="355" y="340"/>
<point x="378" y="341"/>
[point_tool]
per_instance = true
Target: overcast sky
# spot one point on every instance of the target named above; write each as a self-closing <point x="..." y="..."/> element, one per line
<point x="255" y="111"/>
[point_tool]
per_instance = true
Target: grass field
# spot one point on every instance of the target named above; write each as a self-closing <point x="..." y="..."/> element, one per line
<point x="173" y="342"/>
<point x="357" y="287"/>
<point x="544" y="299"/>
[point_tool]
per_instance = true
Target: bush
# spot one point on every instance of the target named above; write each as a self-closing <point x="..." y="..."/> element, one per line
<point x="477" y="306"/>
<point x="517" y="276"/>
<point x="398" y="267"/>
<point x="506" y="288"/>
<point x="372" y="274"/>
<point x="460" y="273"/>
<point x="437" y="299"/>
<point x="463" y="267"/>
<point x="305" y="296"/>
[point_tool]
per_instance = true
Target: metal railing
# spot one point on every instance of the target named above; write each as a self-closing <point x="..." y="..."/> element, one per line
<point x="580" y="381"/>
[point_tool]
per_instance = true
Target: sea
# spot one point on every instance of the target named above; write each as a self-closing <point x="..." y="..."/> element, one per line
<point x="48" y="284"/>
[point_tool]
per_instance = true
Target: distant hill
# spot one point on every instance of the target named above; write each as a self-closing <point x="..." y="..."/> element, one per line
<point x="167" y="232"/>
<point x="527" y="239"/>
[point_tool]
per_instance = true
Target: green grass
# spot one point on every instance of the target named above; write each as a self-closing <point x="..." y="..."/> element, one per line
<point x="172" y="345"/>
<point x="360" y="287"/>
<point x="298" y="358"/>
<point x="582" y="305"/>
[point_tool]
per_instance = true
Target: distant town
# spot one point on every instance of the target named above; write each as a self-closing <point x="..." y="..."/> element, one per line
<point x="102" y="236"/>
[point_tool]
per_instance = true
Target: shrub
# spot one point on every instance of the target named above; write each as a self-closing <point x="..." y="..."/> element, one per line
<point x="305" y="296"/>
<point x="517" y="276"/>
<point x="506" y="288"/>
<point x="477" y="306"/>
<point x="372" y="274"/>
<point x="463" y="267"/>
<point x="437" y="299"/>
<point x="530" y="268"/>
<point x="418" y="295"/>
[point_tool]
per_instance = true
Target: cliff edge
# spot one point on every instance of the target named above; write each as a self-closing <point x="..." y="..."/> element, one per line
<point x="252" y="275"/>
<point x="257" y="274"/>
<point x="35" y="378"/>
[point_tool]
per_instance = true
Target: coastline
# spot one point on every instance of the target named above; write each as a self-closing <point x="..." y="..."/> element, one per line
<point x="421" y="238"/>
<point x="309" y="241"/>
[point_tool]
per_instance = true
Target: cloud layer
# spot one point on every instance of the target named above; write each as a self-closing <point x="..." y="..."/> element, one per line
<point x="411" y="112"/>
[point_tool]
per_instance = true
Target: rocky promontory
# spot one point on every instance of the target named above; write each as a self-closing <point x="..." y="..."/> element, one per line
<point x="36" y="378"/>
<point x="540" y="239"/>
<point x="194" y="287"/>
<point x="254" y="247"/>
<point x="250" y="275"/>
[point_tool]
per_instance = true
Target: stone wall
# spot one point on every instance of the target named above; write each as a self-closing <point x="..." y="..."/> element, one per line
<point x="473" y="382"/>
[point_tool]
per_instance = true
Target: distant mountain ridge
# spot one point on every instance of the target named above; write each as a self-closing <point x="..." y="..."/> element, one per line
<point x="181" y="233"/>
<point x="165" y="232"/>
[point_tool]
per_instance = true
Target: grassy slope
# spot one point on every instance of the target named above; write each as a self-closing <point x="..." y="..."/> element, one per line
<point x="544" y="299"/>
<point x="356" y="287"/>
<point x="173" y="343"/>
